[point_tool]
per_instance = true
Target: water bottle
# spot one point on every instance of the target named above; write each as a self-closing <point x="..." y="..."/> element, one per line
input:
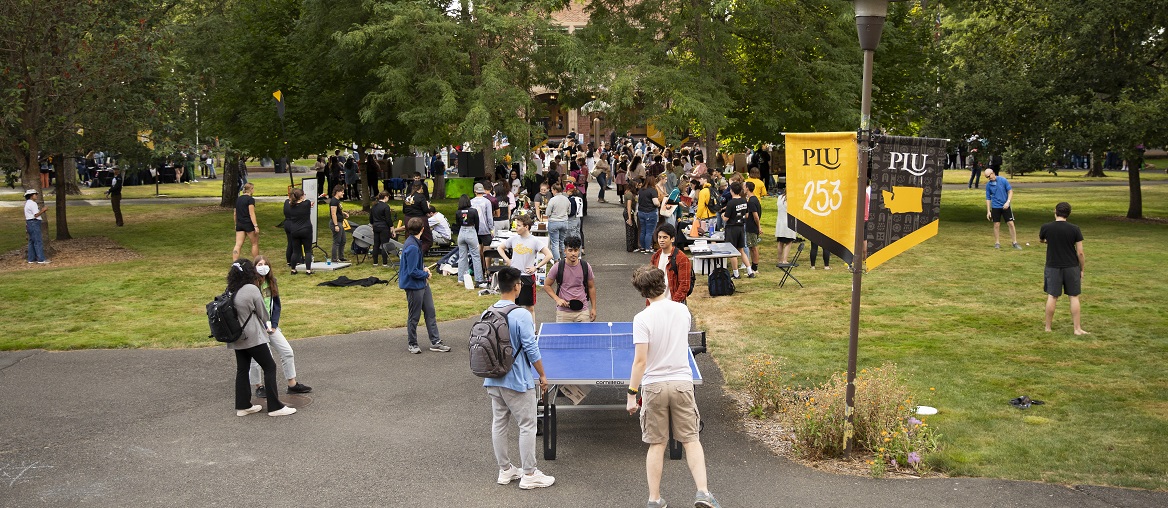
<point x="468" y="281"/>
<point x="328" y="262"/>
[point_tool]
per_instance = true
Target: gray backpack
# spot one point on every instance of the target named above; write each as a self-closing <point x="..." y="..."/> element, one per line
<point x="491" y="352"/>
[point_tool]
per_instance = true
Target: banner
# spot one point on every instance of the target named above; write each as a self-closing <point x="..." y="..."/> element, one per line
<point x="279" y="103"/>
<point x="821" y="189"/>
<point x="906" y="195"/>
<point x="309" y="186"/>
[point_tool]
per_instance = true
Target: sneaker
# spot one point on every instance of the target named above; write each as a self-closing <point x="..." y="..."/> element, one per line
<point x="440" y="348"/>
<point x="705" y="500"/>
<point x="260" y="392"/>
<point x="45" y="262"/>
<point x="660" y="503"/>
<point x="244" y="412"/>
<point x="1016" y="246"/>
<point x="827" y="268"/>
<point x="997" y="245"/>
<point x="284" y="411"/>
<point x="299" y="388"/>
<point x="483" y="285"/>
<point x="415" y="350"/>
<point x="752" y="275"/>
<point x="511" y="473"/>
<point x="536" y="480"/>
<point x="735" y="276"/>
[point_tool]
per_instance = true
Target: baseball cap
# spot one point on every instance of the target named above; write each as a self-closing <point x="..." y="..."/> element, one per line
<point x="478" y="189"/>
<point x="29" y="192"/>
<point x="570" y="187"/>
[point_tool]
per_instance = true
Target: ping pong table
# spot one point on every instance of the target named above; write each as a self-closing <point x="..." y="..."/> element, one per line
<point x="592" y="354"/>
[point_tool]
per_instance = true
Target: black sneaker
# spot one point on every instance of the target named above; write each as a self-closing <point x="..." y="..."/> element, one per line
<point x="299" y="388"/>
<point x="261" y="393"/>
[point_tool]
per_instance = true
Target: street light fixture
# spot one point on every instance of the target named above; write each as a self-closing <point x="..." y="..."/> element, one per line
<point x="870" y="15"/>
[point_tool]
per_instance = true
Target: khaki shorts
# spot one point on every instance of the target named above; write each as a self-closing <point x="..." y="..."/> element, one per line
<point x="666" y="401"/>
<point x="568" y="316"/>
<point x="751" y="240"/>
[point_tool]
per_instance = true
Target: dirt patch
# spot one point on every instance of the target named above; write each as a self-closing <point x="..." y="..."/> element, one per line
<point x="76" y="252"/>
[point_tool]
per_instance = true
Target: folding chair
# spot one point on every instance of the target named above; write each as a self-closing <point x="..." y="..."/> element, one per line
<point x="787" y="267"/>
<point x="362" y="242"/>
<point x="392" y="249"/>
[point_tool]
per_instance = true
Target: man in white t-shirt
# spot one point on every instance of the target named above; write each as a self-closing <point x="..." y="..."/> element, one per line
<point x="661" y="370"/>
<point x="524" y="246"/>
<point x="439" y="225"/>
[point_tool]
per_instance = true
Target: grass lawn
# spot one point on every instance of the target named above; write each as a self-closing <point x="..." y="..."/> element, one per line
<point x="961" y="176"/>
<point x="964" y="319"/>
<point x="157" y="300"/>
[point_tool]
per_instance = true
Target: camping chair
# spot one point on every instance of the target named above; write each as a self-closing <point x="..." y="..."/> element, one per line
<point x="787" y="267"/>
<point x="392" y="249"/>
<point x="362" y="242"/>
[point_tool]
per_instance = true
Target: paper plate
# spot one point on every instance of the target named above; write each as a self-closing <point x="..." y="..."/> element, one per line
<point x="926" y="410"/>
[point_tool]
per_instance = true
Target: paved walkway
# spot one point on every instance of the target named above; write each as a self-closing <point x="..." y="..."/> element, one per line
<point x="385" y="428"/>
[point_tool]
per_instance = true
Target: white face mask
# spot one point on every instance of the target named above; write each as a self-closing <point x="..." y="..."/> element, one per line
<point x="263" y="270"/>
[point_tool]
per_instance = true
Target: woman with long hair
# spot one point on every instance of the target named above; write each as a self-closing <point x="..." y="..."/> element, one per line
<point x="298" y="228"/>
<point x="242" y="278"/>
<point x="271" y="294"/>
<point x="647" y="212"/>
<point x="622" y="173"/>
<point x="246" y="225"/>
<point x="467" y="219"/>
<point x="632" y="233"/>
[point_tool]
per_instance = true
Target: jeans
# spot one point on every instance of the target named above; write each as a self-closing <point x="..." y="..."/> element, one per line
<point x="508" y="404"/>
<point x="602" y="181"/>
<point x="648" y="221"/>
<point x="287" y="358"/>
<point x="557" y="232"/>
<point x="338" y="250"/>
<point x="243" y="359"/>
<point x="468" y="252"/>
<point x="36" y="245"/>
<point x="975" y="176"/>
<point x="421" y="301"/>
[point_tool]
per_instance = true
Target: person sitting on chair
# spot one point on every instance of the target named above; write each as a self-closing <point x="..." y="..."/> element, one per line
<point x="439" y="226"/>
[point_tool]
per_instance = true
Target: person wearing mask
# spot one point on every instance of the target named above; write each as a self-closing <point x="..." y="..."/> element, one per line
<point x="467" y="220"/>
<point x="298" y="228"/>
<point x="243" y="281"/>
<point x="246" y="225"/>
<point x="337" y="216"/>
<point x="271" y="295"/>
<point x="414" y="278"/>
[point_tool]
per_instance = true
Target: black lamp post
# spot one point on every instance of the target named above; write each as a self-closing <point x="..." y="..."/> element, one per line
<point x="870" y="15"/>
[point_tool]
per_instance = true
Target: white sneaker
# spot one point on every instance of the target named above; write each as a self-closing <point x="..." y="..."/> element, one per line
<point x="536" y="480"/>
<point x="244" y="412"/>
<point x="286" y="410"/>
<point x="511" y="473"/>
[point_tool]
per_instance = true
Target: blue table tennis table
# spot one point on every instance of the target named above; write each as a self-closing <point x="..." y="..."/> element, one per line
<point x="592" y="354"/>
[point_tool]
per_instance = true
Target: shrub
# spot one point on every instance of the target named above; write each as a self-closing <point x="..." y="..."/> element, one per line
<point x="764" y="385"/>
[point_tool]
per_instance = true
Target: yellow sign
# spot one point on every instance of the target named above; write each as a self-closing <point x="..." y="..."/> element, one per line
<point x="654" y="135"/>
<point x="278" y="95"/>
<point x="821" y="188"/>
<point x="904" y="199"/>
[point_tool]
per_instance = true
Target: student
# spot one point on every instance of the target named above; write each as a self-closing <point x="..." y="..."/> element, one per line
<point x="416" y="204"/>
<point x="514" y="395"/>
<point x="524" y="247"/>
<point x="245" y="222"/>
<point x="115" y="195"/>
<point x="705" y="212"/>
<point x="298" y="228"/>
<point x="579" y="284"/>
<point x="999" y="195"/>
<point x="337" y="216"/>
<point x="414" y="278"/>
<point x="270" y="292"/>
<point x="648" y="204"/>
<point x="242" y="280"/>
<point x="734" y="215"/>
<point x="33" y="225"/>
<point x="439" y="225"/>
<point x="559" y="225"/>
<point x="784" y="234"/>
<point x="541" y="201"/>
<point x="467" y="219"/>
<point x="486" y="224"/>
<point x="381" y="218"/>
<point x="1065" y="263"/>
<point x="753" y="223"/>
<point x="661" y="375"/>
<point x="669" y="259"/>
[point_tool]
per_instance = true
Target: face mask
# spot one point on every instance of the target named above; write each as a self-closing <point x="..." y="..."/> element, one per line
<point x="263" y="270"/>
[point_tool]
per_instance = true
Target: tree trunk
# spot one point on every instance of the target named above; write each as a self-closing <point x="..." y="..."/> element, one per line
<point x="367" y="196"/>
<point x="1096" y="170"/>
<point x="67" y="169"/>
<point x="710" y="147"/>
<point x="62" y="196"/>
<point x="230" y="179"/>
<point x="489" y="161"/>
<point x="1135" y="204"/>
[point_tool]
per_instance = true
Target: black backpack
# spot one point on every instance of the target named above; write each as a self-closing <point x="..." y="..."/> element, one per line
<point x="720" y="282"/>
<point x="491" y="352"/>
<point x="715" y="201"/>
<point x="223" y="318"/>
<point x="692" y="276"/>
<point x="560" y="275"/>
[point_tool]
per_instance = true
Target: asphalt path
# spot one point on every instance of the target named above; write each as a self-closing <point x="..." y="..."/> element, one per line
<point x="386" y="428"/>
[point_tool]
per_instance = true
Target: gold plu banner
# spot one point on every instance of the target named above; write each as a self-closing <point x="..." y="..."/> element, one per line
<point x="821" y="189"/>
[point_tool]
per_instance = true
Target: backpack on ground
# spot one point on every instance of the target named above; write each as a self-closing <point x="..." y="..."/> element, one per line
<point x="223" y="318"/>
<point x="491" y="352"/>
<point x="692" y="276"/>
<point x="720" y="282"/>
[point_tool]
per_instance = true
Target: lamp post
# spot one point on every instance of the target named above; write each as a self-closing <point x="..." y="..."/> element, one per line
<point x="870" y="15"/>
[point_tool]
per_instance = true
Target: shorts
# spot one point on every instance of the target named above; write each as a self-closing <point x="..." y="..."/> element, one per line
<point x="1055" y="281"/>
<point x="485" y="241"/>
<point x="571" y="316"/>
<point x="669" y="401"/>
<point x="1002" y="214"/>
<point x="246" y="227"/>
<point x="751" y="240"/>
<point x="526" y="296"/>
<point x="784" y="239"/>
<point x="736" y="236"/>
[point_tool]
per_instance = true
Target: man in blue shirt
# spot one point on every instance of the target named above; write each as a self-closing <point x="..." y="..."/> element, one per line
<point x="414" y="278"/>
<point x="999" y="195"/>
<point x="514" y="395"/>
